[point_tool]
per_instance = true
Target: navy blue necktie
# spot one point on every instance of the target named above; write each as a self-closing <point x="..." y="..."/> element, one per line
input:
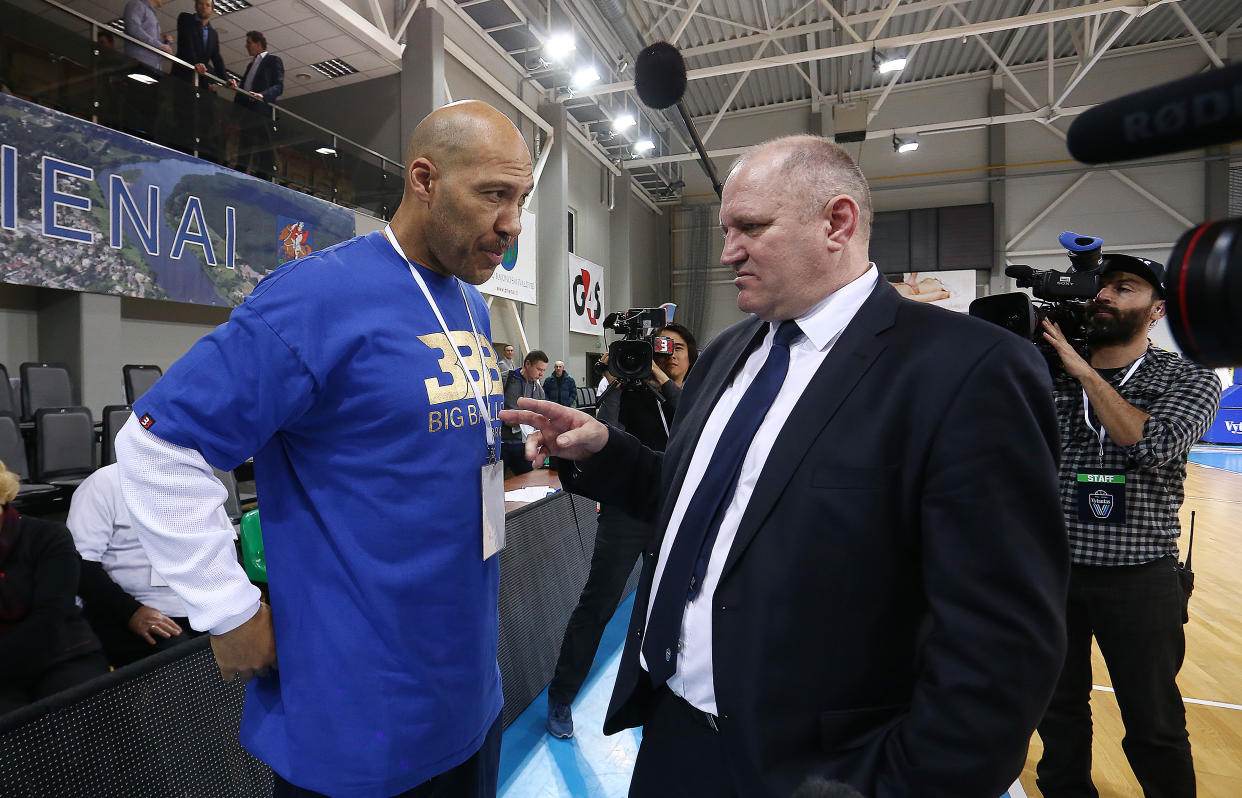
<point x="691" y="550"/>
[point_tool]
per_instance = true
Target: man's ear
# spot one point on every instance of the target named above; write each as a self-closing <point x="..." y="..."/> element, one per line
<point x="1158" y="311"/>
<point x="841" y="217"/>
<point x="421" y="177"/>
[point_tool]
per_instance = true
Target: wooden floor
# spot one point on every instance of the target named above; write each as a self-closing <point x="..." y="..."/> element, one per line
<point x="1213" y="669"/>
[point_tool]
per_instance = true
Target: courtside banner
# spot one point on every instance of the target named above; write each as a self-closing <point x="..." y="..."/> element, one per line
<point x="85" y="208"/>
<point x="586" y="296"/>
<point x="515" y="278"/>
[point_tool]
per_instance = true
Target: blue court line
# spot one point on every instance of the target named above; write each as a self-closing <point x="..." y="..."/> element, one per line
<point x="533" y="764"/>
<point x="1226" y="458"/>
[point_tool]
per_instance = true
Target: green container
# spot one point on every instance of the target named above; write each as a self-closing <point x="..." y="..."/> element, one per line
<point x="252" y="547"/>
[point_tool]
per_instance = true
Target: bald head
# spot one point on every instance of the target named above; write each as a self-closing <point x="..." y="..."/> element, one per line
<point x="817" y="169"/>
<point x="453" y="134"/>
<point x="467" y="175"/>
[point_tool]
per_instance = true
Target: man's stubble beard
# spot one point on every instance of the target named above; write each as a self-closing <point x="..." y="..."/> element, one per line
<point x="1117" y="328"/>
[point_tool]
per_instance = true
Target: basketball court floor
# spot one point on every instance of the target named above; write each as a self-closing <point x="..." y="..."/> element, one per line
<point x="535" y="765"/>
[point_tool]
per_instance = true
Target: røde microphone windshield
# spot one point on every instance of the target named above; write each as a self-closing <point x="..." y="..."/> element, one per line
<point x="1185" y="114"/>
<point x="660" y="80"/>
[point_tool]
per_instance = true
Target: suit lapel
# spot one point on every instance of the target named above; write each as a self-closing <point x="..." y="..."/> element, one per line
<point x="850" y="358"/>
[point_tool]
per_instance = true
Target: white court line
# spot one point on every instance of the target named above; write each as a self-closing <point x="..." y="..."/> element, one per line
<point x="1221" y="704"/>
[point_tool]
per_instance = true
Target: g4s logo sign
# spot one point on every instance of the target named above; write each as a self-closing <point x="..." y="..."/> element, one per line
<point x="587" y="299"/>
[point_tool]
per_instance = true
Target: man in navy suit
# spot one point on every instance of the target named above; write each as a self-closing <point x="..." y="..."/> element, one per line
<point x="199" y="44"/>
<point x="859" y="567"/>
<point x="263" y="82"/>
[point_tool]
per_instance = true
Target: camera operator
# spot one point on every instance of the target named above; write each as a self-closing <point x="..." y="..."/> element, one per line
<point x="619" y="539"/>
<point x="526" y="381"/>
<point x="1127" y="418"/>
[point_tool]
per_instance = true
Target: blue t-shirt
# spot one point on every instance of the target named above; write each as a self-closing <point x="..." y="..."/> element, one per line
<point x="368" y="447"/>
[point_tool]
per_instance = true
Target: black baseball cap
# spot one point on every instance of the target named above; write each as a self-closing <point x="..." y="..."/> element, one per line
<point x="1149" y="270"/>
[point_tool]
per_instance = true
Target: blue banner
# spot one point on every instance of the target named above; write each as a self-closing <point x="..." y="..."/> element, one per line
<point x="85" y="208"/>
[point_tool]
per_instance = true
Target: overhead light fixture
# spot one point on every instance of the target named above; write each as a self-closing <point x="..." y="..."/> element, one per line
<point x="586" y="76"/>
<point x="142" y="77"/>
<point x="623" y="122"/>
<point x="559" y="45"/>
<point x="887" y="65"/>
<point x="644" y="146"/>
<point x="326" y="151"/>
<point x="904" y="145"/>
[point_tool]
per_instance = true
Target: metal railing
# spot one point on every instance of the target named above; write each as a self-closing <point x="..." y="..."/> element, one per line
<point x="52" y="55"/>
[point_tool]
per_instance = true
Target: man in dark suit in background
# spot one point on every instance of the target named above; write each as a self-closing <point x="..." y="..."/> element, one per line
<point x="199" y="44"/>
<point x="263" y="82"/>
<point x="860" y="564"/>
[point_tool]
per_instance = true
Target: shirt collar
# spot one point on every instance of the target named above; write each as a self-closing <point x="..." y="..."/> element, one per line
<point x="824" y="322"/>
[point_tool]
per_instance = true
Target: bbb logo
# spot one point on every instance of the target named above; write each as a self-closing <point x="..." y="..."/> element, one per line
<point x="1234" y="427"/>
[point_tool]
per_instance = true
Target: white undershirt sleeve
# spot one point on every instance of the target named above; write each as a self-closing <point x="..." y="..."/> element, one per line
<point x="176" y="506"/>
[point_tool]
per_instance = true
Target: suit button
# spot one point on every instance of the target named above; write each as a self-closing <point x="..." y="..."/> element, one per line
<point x="668" y="654"/>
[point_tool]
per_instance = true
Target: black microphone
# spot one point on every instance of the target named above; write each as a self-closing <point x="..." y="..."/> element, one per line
<point x="1186" y="114"/>
<point x="660" y="76"/>
<point x="660" y="80"/>
<point x="1019" y="272"/>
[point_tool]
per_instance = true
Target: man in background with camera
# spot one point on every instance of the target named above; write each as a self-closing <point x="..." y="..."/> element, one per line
<point x="643" y="407"/>
<point x="1128" y="414"/>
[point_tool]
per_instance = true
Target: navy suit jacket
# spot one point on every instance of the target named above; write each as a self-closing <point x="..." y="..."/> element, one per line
<point x="190" y="47"/>
<point x="269" y="80"/>
<point x="892" y="611"/>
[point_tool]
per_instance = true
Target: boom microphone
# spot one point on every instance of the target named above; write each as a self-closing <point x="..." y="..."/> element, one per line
<point x="660" y="76"/>
<point x="1194" y="112"/>
<point x="660" y="80"/>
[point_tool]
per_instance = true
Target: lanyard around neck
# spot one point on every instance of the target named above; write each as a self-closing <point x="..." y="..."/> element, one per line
<point x="478" y="396"/>
<point x="1086" y="404"/>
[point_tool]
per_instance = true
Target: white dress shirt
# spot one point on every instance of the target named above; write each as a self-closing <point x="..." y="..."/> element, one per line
<point x="248" y="81"/>
<point x="821" y="326"/>
<point x="102" y="533"/>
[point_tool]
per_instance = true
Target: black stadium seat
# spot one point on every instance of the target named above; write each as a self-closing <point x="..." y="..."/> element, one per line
<point x="45" y="385"/>
<point x="64" y="446"/>
<point x="13" y="455"/>
<point x="138" y="380"/>
<point x="114" y="417"/>
<point x="8" y="402"/>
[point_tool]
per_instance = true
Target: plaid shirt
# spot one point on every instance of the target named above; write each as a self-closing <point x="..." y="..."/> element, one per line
<point x="1181" y="398"/>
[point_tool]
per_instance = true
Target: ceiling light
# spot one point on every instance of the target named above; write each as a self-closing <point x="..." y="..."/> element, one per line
<point x="586" y="76"/>
<point x="645" y="145"/>
<point x="142" y="77"/>
<point x="887" y="64"/>
<point x="559" y="45"/>
<point x="326" y="151"/>
<point x="904" y="145"/>
<point x="622" y="123"/>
